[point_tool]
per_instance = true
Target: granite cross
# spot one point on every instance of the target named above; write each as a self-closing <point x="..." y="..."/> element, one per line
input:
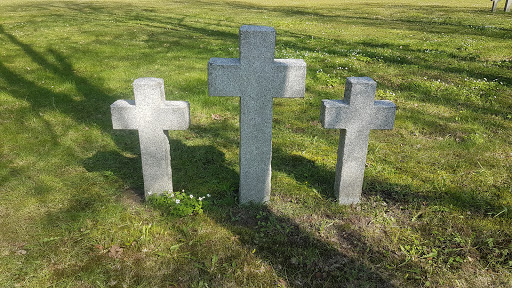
<point x="355" y="115"/>
<point x="257" y="78"/>
<point x="152" y="116"/>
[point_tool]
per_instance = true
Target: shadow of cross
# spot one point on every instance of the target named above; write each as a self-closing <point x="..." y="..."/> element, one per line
<point x="152" y="116"/>
<point x="355" y="115"/>
<point x="257" y="78"/>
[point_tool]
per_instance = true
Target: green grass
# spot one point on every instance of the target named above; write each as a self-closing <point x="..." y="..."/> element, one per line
<point x="437" y="199"/>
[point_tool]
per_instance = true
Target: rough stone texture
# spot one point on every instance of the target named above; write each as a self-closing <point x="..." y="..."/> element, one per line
<point x="355" y="115"/>
<point x="257" y="78"/>
<point x="152" y="116"/>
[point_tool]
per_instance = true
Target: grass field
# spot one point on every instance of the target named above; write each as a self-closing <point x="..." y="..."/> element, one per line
<point x="436" y="209"/>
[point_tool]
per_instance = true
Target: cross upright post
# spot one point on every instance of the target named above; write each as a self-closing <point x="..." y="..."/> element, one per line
<point x="494" y="5"/>
<point x="355" y="115"/>
<point x="256" y="77"/>
<point x="152" y="116"/>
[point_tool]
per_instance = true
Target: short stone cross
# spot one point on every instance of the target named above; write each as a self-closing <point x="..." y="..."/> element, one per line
<point x="257" y="78"/>
<point x="355" y="115"/>
<point x="152" y="116"/>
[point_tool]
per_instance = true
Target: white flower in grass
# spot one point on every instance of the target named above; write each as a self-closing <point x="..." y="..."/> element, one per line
<point x="177" y="201"/>
<point x="208" y="195"/>
<point x="171" y="195"/>
<point x="191" y="196"/>
<point x="201" y="198"/>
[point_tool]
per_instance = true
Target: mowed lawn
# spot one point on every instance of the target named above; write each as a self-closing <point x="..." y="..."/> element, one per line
<point x="436" y="209"/>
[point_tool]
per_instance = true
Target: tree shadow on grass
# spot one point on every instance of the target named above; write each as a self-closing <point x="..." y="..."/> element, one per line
<point x="92" y="108"/>
<point x="297" y="255"/>
<point x="420" y="21"/>
<point x="322" y="179"/>
<point x="300" y="258"/>
<point x="464" y="200"/>
<point x="198" y="170"/>
<point x="201" y="170"/>
<point x="304" y="171"/>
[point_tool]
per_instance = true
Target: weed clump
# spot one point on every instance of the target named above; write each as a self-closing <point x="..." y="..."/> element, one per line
<point x="178" y="204"/>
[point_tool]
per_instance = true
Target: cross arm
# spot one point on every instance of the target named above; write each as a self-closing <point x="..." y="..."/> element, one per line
<point x="384" y="115"/>
<point x="337" y="114"/>
<point x="224" y="77"/>
<point x="334" y="114"/>
<point x="175" y="114"/>
<point x="290" y="74"/>
<point x="124" y="114"/>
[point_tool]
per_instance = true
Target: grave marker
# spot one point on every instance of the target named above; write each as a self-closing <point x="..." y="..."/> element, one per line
<point x="256" y="77"/>
<point x="152" y="116"/>
<point x="355" y="115"/>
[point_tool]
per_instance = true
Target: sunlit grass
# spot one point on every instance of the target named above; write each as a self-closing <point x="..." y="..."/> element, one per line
<point x="437" y="194"/>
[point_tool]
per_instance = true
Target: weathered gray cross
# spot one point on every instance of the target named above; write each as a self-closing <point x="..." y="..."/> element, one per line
<point x="152" y="116"/>
<point x="257" y="78"/>
<point x="355" y="115"/>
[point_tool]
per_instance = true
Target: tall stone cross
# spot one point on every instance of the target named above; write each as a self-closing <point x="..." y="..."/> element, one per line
<point x="355" y="115"/>
<point x="152" y="116"/>
<point x="256" y="77"/>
